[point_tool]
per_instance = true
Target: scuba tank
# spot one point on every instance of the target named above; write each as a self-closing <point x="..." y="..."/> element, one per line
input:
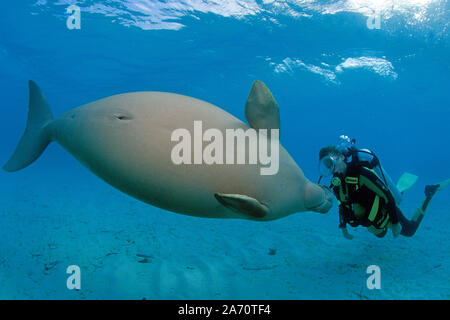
<point x="345" y="144"/>
<point x="347" y="147"/>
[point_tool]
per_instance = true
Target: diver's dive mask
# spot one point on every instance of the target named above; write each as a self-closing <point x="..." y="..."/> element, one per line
<point x="327" y="165"/>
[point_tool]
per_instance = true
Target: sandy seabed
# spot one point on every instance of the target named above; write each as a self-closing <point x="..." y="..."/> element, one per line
<point x="51" y="218"/>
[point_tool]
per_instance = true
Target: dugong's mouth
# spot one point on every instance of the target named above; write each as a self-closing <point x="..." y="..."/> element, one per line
<point x="326" y="203"/>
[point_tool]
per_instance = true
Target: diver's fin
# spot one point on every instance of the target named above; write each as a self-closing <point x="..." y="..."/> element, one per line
<point x="406" y="182"/>
<point x="430" y="191"/>
<point x="261" y="109"/>
<point x="36" y="136"/>
<point x="243" y="204"/>
<point x="443" y="184"/>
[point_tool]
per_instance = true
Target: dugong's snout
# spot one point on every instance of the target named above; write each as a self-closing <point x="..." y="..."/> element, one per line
<point x="327" y="202"/>
<point x="318" y="198"/>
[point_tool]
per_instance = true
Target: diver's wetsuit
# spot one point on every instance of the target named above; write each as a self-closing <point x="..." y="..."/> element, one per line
<point x="364" y="199"/>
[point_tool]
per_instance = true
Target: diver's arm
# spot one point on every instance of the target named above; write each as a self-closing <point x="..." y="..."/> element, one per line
<point x="395" y="228"/>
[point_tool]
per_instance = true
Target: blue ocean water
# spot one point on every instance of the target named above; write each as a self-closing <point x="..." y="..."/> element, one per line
<point x="377" y="71"/>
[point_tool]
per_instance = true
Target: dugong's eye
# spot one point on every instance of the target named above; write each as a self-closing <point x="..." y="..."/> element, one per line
<point x="122" y="116"/>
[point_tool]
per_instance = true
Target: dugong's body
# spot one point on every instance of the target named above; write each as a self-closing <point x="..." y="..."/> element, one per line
<point x="126" y="141"/>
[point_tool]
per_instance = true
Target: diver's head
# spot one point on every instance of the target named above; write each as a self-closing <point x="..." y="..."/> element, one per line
<point x="331" y="161"/>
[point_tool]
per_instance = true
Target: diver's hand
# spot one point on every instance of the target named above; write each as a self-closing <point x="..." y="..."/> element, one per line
<point x="346" y="234"/>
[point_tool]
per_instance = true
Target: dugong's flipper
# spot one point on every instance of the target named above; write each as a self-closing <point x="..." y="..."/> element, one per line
<point x="36" y="136"/>
<point x="261" y="109"/>
<point x="243" y="204"/>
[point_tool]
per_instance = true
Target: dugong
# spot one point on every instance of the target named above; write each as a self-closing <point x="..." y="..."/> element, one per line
<point x="126" y="140"/>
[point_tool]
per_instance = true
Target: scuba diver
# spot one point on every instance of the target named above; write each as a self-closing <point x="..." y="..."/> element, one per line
<point x="366" y="194"/>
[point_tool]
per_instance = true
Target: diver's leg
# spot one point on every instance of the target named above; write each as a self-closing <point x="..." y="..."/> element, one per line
<point x="429" y="193"/>
<point x="409" y="227"/>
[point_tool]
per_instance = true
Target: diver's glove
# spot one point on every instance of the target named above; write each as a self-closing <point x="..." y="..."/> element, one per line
<point x="346" y="234"/>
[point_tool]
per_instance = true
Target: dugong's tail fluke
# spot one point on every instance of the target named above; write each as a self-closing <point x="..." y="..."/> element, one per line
<point x="36" y="136"/>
